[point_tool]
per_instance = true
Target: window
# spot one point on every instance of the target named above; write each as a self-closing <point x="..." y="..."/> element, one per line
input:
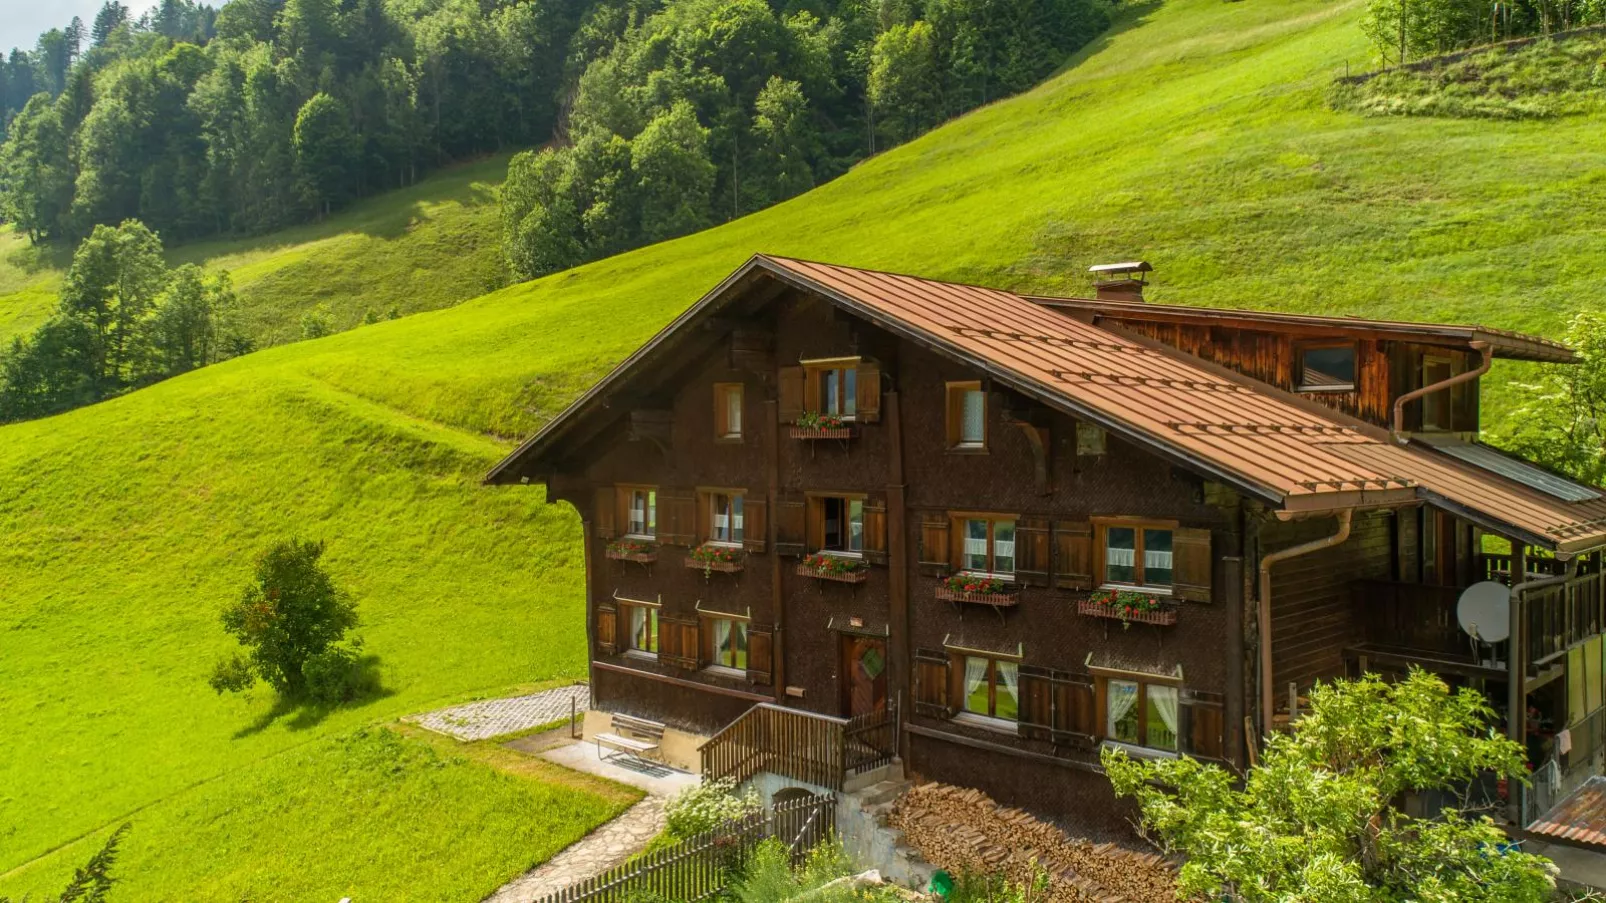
<point x="728" y="411"/>
<point x="643" y="636"/>
<point x="1326" y="368"/>
<point x="838" y="389"/>
<point x="1436" y="405"/>
<point x="967" y="416"/>
<point x="1141" y="714"/>
<point x="725" y="520"/>
<point x="842" y="522"/>
<point x="641" y="511"/>
<point x="727" y="643"/>
<point x="1136" y="555"/>
<point x="992" y="688"/>
<point x="988" y="545"/>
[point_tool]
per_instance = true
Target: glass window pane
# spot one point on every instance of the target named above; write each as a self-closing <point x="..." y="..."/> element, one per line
<point x="1156" y="557"/>
<point x="638" y="512"/>
<point x="828" y="399"/>
<point x="855" y="526"/>
<point x="1120" y="555"/>
<point x="975" y="558"/>
<point x="1162" y="717"/>
<point x="739" y="645"/>
<point x="976" y="686"/>
<point x="736" y="517"/>
<point x="1121" y="701"/>
<point x="721" y="507"/>
<point x="733" y="412"/>
<point x="1327" y="367"/>
<point x="850" y="392"/>
<point x="973" y="422"/>
<point x="1008" y="691"/>
<point x="1004" y="547"/>
<point x="652" y="513"/>
<point x="832" y="509"/>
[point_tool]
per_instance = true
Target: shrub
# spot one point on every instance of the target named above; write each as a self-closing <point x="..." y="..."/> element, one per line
<point x="697" y="810"/>
<point x="340" y="674"/>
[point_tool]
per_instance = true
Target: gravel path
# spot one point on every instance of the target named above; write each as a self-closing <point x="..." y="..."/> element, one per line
<point x="497" y="717"/>
<point x="599" y="851"/>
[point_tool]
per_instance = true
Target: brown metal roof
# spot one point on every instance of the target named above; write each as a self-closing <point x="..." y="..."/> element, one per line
<point x="1504" y="343"/>
<point x="1579" y="819"/>
<point x="1287" y="451"/>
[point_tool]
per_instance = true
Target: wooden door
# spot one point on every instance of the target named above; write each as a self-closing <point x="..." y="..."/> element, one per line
<point x="864" y="675"/>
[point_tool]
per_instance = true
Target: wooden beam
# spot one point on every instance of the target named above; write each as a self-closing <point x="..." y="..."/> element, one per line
<point x="678" y="682"/>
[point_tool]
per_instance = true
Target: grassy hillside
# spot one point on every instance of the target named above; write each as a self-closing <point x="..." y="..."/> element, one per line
<point x="1195" y="136"/>
<point x="420" y="248"/>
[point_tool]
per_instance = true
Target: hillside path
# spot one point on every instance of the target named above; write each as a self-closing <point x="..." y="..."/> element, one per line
<point x="599" y="851"/>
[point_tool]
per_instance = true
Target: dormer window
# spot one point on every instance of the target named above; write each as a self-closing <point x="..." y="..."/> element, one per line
<point x="1325" y="368"/>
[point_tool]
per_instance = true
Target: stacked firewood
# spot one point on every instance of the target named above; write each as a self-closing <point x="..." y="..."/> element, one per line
<point x="961" y="830"/>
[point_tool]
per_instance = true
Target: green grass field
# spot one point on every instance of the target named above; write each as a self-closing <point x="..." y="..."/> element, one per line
<point x="1195" y="135"/>
<point x="421" y="248"/>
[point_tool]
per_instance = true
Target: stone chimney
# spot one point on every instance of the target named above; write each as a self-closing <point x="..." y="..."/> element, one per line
<point x="1120" y="281"/>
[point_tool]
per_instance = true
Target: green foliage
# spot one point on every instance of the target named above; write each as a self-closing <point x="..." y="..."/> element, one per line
<point x="1403" y="30"/>
<point x="289" y="619"/>
<point x="1541" y="80"/>
<point x="903" y="80"/>
<point x="705" y="806"/>
<point x="1317" y="819"/>
<point x="325" y="150"/>
<point x="973" y="887"/>
<point x="35" y="174"/>
<point x="768" y="876"/>
<point x="340" y="674"/>
<point x="1562" y="422"/>
<point x="670" y="162"/>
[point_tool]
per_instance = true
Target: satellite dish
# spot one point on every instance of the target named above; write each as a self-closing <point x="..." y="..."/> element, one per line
<point x="1485" y="611"/>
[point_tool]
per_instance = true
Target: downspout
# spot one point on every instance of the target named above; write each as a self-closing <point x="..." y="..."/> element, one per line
<point x="1267" y="696"/>
<point x="1398" y="429"/>
<point x="1516" y="668"/>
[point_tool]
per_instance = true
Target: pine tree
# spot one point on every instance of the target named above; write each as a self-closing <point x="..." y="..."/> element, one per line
<point x="112" y="16"/>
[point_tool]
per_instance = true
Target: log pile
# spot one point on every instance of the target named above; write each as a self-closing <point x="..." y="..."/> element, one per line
<point x="961" y="829"/>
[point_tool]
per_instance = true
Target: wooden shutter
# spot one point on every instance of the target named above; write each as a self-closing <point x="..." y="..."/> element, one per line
<point x="607" y="629"/>
<point x="754" y="529"/>
<point x="1036" y="703"/>
<point x="721" y="420"/>
<point x="604" y="512"/>
<point x="759" y="652"/>
<point x="1073" y="555"/>
<point x="791" y="380"/>
<point x="875" y="529"/>
<point x="931" y="683"/>
<point x="868" y="402"/>
<point x="677" y="517"/>
<point x="789" y="525"/>
<point x="621" y="510"/>
<point x="702" y="517"/>
<point x="1191" y="564"/>
<point x="1075" y="710"/>
<point x="934" y="529"/>
<point x="1032" y="550"/>
<point x="816" y="523"/>
<point x="691" y="644"/>
<point x="678" y="643"/>
<point x="955" y="417"/>
<point x="1203" y="716"/>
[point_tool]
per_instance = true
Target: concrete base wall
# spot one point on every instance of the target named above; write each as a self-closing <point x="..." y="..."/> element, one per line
<point x="679" y="748"/>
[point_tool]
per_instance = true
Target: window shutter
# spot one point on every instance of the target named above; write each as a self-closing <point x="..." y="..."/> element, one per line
<point x="677" y="517"/>
<point x="1075" y="710"/>
<point x="621" y="511"/>
<point x="956" y="415"/>
<point x="691" y="645"/>
<point x="789" y="525"/>
<point x="875" y="529"/>
<point x="759" y="646"/>
<point x="702" y="518"/>
<point x="934" y="528"/>
<point x="605" y="511"/>
<point x="868" y="402"/>
<point x="1036" y="703"/>
<point x="1192" y="562"/>
<point x="1204" y="716"/>
<point x="668" y="640"/>
<point x="607" y="629"/>
<point x="1073" y="555"/>
<point x="721" y="421"/>
<point x="1032" y="546"/>
<point x="931" y="683"/>
<point x="754" y="529"/>
<point x="791" y="381"/>
<point x="956" y="543"/>
<point x="816" y="523"/>
<point x="678" y="643"/>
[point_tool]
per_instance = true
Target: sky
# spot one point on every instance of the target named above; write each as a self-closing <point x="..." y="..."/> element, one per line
<point x="21" y="21"/>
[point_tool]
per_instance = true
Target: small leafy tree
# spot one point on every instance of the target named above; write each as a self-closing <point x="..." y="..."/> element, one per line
<point x="1562" y="424"/>
<point x="289" y="619"/>
<point x="1316" y="822"/>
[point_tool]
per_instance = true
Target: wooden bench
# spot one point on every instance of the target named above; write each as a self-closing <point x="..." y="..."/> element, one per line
<point x="630" y="736"/>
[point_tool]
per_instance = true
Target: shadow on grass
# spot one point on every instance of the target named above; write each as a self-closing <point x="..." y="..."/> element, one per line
<point x="305" y="713"/>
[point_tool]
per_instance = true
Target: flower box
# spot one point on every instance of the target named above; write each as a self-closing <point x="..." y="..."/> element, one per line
<point x="1163" y="614"/>
<point x="854" y="571"/>
<point x="708" y="558"/>
<point x="995" y="599"/>
<point x="639" y="552"/>
<point x="824" y="432"/>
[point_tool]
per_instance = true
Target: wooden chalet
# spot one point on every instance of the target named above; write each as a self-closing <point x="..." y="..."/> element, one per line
<point x="833" y="516"/>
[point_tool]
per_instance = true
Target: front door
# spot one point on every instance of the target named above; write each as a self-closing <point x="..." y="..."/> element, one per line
<point x="864" y="675"/>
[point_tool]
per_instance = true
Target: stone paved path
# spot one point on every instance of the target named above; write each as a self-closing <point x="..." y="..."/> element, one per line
<point x="496" y="717"/>
<point x="599" y="851"/>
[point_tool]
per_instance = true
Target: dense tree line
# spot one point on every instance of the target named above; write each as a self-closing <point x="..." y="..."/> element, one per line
<point x="702" y="110"/>
<point x="1403" y="30"/>
<point x="263" y="113"/>
<point x="123" y="320"/>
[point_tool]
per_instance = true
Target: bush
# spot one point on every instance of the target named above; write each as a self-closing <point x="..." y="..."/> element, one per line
<point x="697" y="810"/>
<point x="340" y="674"/>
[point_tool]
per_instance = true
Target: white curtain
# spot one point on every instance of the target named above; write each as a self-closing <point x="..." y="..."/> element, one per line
<point x="733" y="413"/>
<point x="1164" y="701"/>
<point x="972" y="422"/>
<point x="975" y="675"/>
<point x="1120" y="557"/>
<point x="722" y="638"/>
<point x="1009" y="673"/>
<point x="1153" y="560"/>
<point x="1123" y="695"/>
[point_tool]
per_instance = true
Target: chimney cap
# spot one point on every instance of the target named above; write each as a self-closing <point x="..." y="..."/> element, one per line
<point x="1121" y="269"/>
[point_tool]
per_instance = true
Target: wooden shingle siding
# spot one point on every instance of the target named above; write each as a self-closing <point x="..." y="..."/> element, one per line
<point x="1313" y="616"/>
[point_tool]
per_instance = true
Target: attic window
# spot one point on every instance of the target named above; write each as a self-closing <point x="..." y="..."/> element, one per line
<point x="1326" y="368"/>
